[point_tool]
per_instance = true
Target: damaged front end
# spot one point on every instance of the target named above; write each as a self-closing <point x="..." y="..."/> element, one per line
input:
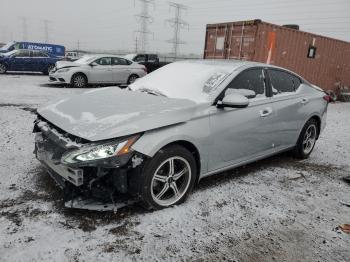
<point x="93" y="175"/>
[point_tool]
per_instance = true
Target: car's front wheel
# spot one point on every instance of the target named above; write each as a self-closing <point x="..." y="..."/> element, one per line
<point x="307" y="139"/>
<point x="79" y="81"/>
<point x="3" y="69"/>
<point x="168" y="178"/>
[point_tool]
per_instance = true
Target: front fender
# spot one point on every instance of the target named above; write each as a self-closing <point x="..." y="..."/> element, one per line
<point x="195" y="132"/>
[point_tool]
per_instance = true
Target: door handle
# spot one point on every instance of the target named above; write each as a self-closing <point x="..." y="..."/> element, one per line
<point x="265" y="112"/>
<point x="304" y="100"/>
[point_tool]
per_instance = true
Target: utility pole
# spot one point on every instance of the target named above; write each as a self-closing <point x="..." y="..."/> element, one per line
<point x="144" y="19"/>
<point x="46" y="30"/>
<point x="78" y="47"/>
<point x="136" y="44"/>
<point x="177" y="23"/>
<point x="24" y="28"/>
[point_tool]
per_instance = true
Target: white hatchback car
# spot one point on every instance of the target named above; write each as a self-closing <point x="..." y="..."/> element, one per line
<point x="97" y="69"/>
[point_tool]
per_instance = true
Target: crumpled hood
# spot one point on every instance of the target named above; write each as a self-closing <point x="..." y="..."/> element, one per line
<point x="108" y="113"/>
<point x="62" y="64"/>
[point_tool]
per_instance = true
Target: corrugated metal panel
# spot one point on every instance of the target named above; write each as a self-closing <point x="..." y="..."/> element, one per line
<point x="268" y="43"/>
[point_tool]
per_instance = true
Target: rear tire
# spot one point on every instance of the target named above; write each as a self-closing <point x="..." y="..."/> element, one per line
<point x="132" y="79"/>
<point x="3" y="69"/>
<point x="307" y="140"/>
<point x="79" y="80"/>
<point x="168" y="178"/>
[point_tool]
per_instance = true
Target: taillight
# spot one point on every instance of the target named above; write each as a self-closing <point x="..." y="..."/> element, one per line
<point x="328" y="98"/>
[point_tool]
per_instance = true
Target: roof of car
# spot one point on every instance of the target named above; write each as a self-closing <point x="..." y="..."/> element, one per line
<point x="232" y="64"/>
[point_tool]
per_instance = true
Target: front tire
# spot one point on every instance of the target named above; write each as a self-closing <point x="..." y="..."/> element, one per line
<point x="79" y="81"/>
<point x="307" y="140"/>
<point x="3" y="69"/>
<point x="167" y="178"/>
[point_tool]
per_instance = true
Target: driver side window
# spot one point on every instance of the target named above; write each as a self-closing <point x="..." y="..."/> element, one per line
<point x="22" y="53"/>
<point x="104" y="61"/>
<point x="249" y="83"/>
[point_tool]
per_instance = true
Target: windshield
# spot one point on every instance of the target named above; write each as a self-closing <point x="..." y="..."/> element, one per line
<point x="186" y="80"/>
<point x="7" y="46"/>
<point x="86" y="60"/>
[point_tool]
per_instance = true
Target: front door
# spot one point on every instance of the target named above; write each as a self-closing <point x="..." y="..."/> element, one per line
<point x="21" y="61"/>
<point x="102" y="71"/>
<point x="240" y="134"/>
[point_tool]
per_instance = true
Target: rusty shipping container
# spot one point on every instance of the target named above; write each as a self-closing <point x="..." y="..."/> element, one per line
<point x="321" y="60"/>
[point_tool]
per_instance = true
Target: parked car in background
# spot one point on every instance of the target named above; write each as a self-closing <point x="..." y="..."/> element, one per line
<point x="51" y="49"/>
<point x="27" y="61"/>
<point x="171" y="128"/>
<point x="150" y="61"/>
<point x="97" y="69"/>
<point x="71" y="56"/>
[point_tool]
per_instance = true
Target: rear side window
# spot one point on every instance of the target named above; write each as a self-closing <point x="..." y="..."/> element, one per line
<point x="120" y="61"/>
<point x="248" y="81"/>
<point x="283" y="82"/>
<point x="152" y="58"/>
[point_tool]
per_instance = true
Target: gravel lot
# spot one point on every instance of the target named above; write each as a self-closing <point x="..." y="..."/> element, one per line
<point x="279" y="209"/>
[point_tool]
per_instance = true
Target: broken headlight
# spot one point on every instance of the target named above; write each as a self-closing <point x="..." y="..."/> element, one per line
<point x="98" y="152"/>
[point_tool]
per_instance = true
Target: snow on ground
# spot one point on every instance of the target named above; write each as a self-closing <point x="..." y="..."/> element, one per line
<point x="278" y="209"/>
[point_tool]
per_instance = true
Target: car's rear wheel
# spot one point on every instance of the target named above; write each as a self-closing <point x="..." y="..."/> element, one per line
<point x="3" y="69"/>
<point x="307" y="139"/>
<point x="79" y="81"/>
<point x="132" y="79"/>
<point x="167" y="178"/>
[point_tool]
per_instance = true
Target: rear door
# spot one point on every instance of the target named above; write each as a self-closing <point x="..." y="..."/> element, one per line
<point x="38" y="61"/>
<point x="121" y="70"/>
<point x="240" y="134"/>
<point x="102" y="71"/>
<point x="288" y="104"/>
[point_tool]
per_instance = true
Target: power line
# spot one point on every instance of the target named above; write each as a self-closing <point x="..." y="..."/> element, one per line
<point x="177" y="23"/>
<point x="144" y="20"/>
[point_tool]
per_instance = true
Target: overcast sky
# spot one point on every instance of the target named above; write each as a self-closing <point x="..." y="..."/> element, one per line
<point x="110" y="24"/>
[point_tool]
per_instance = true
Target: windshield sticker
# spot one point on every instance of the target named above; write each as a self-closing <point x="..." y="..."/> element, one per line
<point x="211" y="84"/>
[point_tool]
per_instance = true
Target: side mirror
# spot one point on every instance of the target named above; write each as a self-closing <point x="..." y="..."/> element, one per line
<point x="233" y="100"/>
<point x="93" y="64"/>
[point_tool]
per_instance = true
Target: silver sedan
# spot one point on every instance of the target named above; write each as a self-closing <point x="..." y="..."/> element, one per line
<point x="97" y="69"/>
<point x="153" y="142"/>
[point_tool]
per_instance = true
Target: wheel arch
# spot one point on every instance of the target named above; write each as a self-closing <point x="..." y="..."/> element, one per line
<point x="193" y="150"/>
<point x="79" y="73"/>
<point x="318" y="121"/>
<point x="187" y="143"/>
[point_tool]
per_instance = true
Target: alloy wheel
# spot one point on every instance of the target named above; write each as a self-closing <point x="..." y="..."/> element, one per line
<point x="79" y="81"/>
<point x="2" y="69"/>
<point x="309" y="139"/>
<point x="170" y="181"/>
